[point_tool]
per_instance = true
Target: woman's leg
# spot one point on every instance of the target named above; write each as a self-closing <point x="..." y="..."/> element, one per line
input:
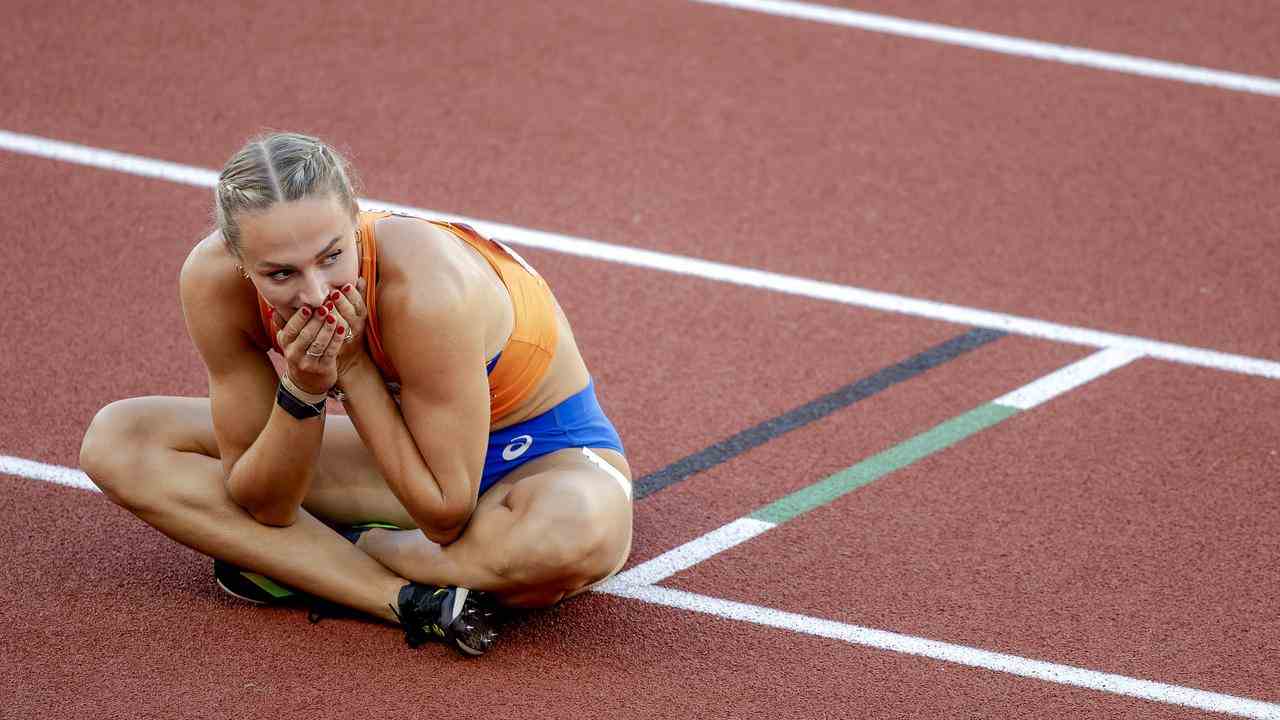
<point x="157" y="457"/>
<point x="547" y="531"/>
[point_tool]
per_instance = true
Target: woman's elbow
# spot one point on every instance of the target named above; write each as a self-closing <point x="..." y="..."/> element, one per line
<point x="447" y="525"/>
<point x="272" y="514"/>
<point x="443" y="536"/>
<point x="444" y="528"/>
<point x="274" y="517"/>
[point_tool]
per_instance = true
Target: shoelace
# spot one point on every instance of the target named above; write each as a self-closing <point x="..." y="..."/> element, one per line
<point x="414" y="633"/>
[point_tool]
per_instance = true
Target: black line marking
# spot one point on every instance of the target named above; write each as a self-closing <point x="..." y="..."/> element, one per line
<point x="752" y="438"/>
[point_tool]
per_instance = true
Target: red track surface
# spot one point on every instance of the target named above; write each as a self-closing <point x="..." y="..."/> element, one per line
<point x="155" y="638"/>
<point x="1105" y="200"/>
<point x="737" y="488"/>
<point x="1128" y="526"/>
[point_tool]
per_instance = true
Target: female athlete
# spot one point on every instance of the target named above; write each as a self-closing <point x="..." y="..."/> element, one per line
<point x="474" y="463"/>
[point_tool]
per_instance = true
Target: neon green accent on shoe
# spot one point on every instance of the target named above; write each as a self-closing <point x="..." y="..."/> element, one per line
<point x="269" y="586"/>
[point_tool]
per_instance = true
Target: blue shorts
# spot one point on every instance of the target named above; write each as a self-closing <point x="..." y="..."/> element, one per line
<point x="578" y="422"/>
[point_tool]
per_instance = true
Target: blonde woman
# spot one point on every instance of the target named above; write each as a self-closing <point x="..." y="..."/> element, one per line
<point x="474" y="463"/>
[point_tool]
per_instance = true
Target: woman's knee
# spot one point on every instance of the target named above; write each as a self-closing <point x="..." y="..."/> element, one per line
<point x="102" y="449"/>
<point x="570" y="539"/>
<point x="116" y="444"/>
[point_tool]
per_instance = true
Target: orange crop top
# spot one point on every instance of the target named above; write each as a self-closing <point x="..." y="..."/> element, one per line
<point x="528" y="353"/>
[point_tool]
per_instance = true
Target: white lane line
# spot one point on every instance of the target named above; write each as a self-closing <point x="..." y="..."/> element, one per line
<point x="633" y="587"/>
<point x="10" y="465"/>
<point x="689" y="554"/>
<point x="1008" y="45"/>
<point x="958" y="654"/>
<point x="704" y="269"/>
<point x="107" y="159"/>
<point x="1074" y="375"/>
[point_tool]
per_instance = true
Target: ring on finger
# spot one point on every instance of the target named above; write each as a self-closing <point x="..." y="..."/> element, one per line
<point x="315" y="354"/>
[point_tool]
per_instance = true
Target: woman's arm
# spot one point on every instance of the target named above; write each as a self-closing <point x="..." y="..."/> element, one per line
<point x="272" y="476"/>
<point x="268" y="455"/>
<point x="431" y="448"/>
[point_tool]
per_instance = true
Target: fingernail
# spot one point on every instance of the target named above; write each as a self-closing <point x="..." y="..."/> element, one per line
<point x="320" y="311"/>
<point x="329" y="305"/>
<point x="347" y="288"/>
<point x="306" y="312"/>
<point x="270" y="311"/>
<point x="341" y="330"/>
<point x="329" y="319"/>
<point x="335" y="295"/>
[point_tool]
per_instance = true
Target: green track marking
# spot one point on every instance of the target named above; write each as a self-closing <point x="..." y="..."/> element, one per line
<point x="895" y="458"/>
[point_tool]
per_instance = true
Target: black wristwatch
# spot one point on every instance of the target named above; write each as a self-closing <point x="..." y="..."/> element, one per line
<point x="296" y="407"/>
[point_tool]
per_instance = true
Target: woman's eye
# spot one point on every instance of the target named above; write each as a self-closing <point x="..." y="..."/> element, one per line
<point x="333" y="257"/>
<point x="280" y="275"/>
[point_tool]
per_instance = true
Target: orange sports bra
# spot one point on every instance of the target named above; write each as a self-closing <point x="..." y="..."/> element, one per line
<point x="528" y="353"/>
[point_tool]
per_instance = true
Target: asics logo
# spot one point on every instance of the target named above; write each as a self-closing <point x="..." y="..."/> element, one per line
<point x="516" y="447"/>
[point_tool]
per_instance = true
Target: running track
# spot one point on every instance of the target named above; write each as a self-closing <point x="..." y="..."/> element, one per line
<point x="1109" y="551"/>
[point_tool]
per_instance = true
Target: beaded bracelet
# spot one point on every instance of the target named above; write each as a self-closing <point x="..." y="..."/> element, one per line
<point x="309" y="398"/>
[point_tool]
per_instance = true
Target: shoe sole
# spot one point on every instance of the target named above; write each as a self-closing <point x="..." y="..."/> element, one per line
<point x="455" y="611"/>
<point x="469" y="650"/>
<point x="234" y="594"/>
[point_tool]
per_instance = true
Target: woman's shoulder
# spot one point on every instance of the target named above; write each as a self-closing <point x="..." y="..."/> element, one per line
<point x="423" y="262"/>
<point x="211" y="280"/>
<point x="405" y="237"/>
<point x="209" y="266"/>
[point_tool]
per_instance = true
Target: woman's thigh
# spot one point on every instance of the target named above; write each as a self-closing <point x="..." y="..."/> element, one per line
<point x="346" y="488"/>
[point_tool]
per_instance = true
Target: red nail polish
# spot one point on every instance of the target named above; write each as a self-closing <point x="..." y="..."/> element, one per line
<point x="306" y="312"/>
<point x="340" y="330"/>
<point x="329" y="319"/>
<point x="329" y="306"/>
<point x="335" y="295"/>
<point x="320" y="311"/>
<point x="346" y="288"/>
<point x="270" y="311"/>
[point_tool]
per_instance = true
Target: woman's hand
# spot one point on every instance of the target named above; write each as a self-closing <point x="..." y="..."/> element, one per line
<point x="311" y="341"/>
<point x="349" y="304"/>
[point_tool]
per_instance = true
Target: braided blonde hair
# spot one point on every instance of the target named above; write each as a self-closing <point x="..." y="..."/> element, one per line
<point x="279" y="167"/>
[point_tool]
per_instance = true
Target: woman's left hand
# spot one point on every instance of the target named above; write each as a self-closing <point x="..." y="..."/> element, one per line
<point x="348" y="303"/>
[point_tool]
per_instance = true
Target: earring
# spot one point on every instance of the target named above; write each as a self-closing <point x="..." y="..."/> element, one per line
<point x="243" y="274"/>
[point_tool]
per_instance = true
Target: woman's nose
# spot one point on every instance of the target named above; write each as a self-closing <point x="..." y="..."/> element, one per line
<point x="314" y="292"/>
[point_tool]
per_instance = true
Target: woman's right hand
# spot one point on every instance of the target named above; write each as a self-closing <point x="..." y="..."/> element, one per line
<point x="311" y="340"/>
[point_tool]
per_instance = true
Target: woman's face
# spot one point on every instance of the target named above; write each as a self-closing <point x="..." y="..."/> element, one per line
<point x="297" y="253"/>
